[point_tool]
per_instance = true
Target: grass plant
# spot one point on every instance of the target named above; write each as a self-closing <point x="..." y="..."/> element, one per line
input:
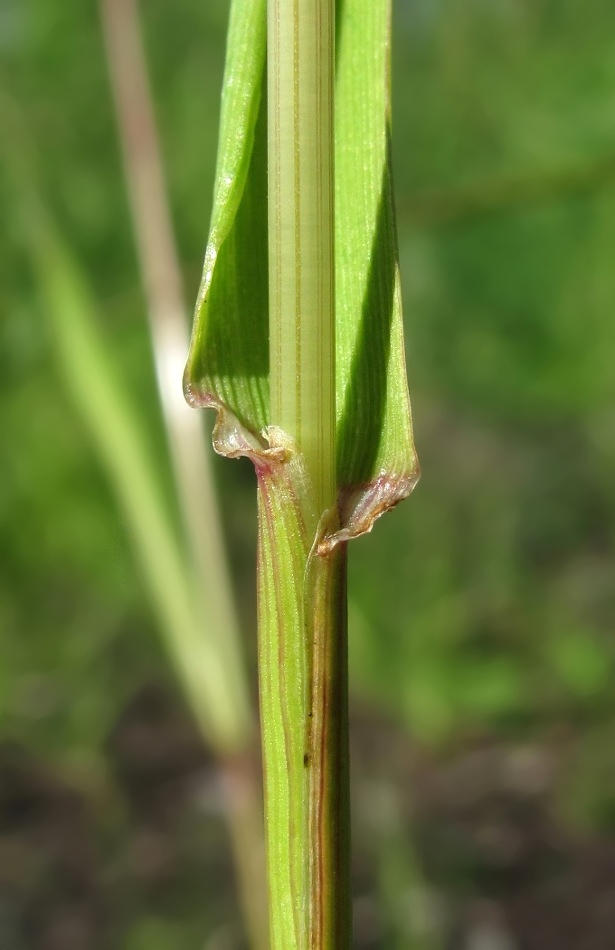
<point x="298" y="345"/>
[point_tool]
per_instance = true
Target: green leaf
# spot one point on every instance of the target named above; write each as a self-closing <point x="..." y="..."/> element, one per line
<point x="229" y="358"/>
<point x="228" y="364"/>
<point x="377" y="464"/>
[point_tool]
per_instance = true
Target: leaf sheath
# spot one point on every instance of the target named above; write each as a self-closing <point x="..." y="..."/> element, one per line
<point x="303" y="689"/>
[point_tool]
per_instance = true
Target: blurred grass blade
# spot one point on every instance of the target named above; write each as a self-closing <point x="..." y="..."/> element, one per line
<point x="189" y="452"/>
<point x="213" y="680"/>
<point x="161" y="278"/>
<point x="215" y="687"/>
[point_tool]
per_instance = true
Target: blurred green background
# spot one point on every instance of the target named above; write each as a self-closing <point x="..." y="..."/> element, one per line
<point x="482" y="611"/>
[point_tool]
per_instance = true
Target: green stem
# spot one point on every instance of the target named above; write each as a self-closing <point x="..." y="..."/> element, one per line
<point x="303" y="700"/>
<point x="301" y="49"/>
<point x="302" y="594"/>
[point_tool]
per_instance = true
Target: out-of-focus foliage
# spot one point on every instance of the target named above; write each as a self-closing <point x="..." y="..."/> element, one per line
<point x="504" y="616"/>
<point x="486" y="605"/>
<point x="77" y="624"/>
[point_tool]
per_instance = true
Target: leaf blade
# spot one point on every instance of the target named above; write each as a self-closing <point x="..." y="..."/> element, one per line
<point x="228" y="363"/>
<point x="380" y="468"/>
